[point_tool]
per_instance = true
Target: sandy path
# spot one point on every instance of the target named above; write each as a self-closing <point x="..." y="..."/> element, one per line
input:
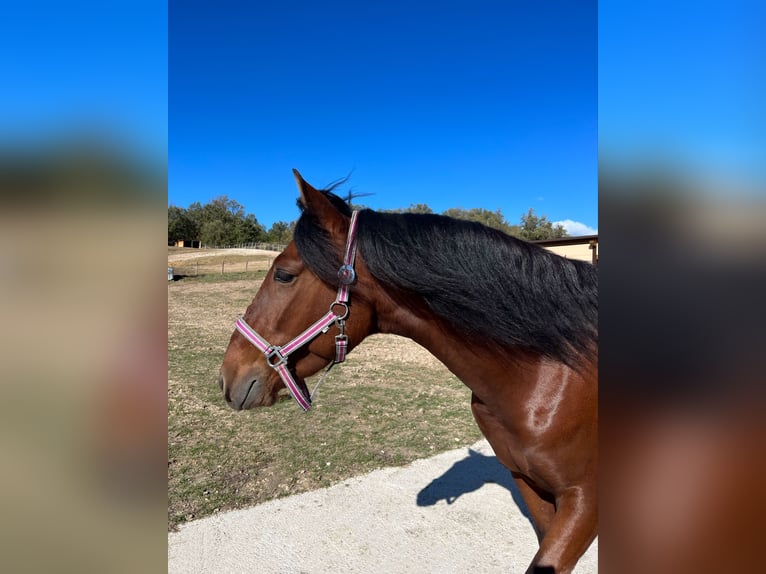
<point x="185" y="256"/>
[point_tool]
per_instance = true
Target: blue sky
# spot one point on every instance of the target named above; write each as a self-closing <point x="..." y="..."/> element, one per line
<point x="487" y="104"/>
<point x="75" y="67"/>
<point x="684" y="85"/>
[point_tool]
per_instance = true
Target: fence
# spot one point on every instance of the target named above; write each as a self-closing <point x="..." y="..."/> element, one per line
<point x="192" y="268"/>
<point x="220" y="260"/>
<point x="265" y="246"/>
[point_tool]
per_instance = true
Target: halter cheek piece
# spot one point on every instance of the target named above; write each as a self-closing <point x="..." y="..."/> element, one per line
<point x="276" y="356"/>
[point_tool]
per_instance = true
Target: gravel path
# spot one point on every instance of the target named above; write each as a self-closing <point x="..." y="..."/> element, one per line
<point x="186" y="256"/>
<point x="455" y="512"/>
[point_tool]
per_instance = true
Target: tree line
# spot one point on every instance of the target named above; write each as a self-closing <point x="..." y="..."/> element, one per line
<point x="531" y="227"/>
<point x="223" y="221"/>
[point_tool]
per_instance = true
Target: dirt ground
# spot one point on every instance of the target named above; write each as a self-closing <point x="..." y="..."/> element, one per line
<point x="190" y="254"/>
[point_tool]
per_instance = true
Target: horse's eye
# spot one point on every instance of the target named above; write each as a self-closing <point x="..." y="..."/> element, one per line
<point x="283" y="276"/>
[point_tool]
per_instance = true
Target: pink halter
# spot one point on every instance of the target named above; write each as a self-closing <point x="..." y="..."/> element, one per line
<point x="276" y="356"/>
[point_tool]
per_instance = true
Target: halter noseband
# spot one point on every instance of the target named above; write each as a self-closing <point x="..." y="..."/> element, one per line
<point x="276" y="355"/>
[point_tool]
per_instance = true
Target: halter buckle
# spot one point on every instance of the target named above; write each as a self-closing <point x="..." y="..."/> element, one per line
<point x="341" y="348"/>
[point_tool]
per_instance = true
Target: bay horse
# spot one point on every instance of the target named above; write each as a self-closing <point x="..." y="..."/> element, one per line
<point x="515" y="323"/>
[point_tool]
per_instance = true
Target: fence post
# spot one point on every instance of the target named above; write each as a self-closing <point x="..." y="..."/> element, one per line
<point x="246" y="262"/>
<point x="196" y="268"/>
<point x="222" y="267"/>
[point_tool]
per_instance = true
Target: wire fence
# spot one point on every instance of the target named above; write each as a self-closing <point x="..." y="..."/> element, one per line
<point x="220" y="260"/>
<point x="192" y="268"/>
<point x="264" y="246"/>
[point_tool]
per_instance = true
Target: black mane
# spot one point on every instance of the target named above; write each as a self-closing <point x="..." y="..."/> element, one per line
<point x="482" y="282"/>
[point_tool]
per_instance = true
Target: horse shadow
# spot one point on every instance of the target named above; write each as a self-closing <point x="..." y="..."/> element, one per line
<point x="469" y="475"/>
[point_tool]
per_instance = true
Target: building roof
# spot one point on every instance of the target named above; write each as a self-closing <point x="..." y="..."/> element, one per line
<point x="580" y="239"/>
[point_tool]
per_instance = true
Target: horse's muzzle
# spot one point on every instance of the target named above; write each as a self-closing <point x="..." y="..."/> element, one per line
<point x="242" y="394"/>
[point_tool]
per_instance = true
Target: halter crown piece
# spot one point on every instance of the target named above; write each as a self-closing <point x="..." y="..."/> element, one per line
<point x="276" y="356"/>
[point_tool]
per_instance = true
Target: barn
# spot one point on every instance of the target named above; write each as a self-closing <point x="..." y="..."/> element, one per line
<point x="185" y="243"/>
<point x="584" y="247"/>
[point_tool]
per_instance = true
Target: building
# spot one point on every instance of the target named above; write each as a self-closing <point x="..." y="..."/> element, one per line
<point x="185" y="243"/>
<point x="584" y="247"/>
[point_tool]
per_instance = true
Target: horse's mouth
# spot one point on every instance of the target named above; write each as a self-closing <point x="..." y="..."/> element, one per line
<point x="247" y="400"/>
<point x="254" y="398"/>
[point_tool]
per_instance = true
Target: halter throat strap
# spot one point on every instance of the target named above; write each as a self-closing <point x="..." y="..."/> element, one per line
<point x="276" y="355"/>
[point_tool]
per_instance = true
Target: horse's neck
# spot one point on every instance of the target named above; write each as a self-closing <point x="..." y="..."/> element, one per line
<point x="496" y="376"/>
<point x="470" y="361"/>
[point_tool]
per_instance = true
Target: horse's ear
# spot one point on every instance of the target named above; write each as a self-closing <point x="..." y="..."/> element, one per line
<point x="317" y="203"/>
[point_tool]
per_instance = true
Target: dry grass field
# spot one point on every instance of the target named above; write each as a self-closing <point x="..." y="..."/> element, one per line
<point x="389" y="404"/>
<point x="195" y="262"/>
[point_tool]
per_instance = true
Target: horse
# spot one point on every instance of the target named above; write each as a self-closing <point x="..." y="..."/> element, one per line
<point x="515" y="323"/>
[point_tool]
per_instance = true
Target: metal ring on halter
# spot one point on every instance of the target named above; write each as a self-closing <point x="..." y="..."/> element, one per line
<point x="345" y="310"/>
<point x="275" y="352"/>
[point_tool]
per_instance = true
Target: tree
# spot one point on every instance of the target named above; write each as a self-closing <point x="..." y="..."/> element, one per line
<point x="280" y="232"/>
<point x="195" y="213"/>
<point x="213" y="233"/>
<point x="534" y="228"/>
<point x="225" y="210"/>
<point x="181" y="225"/>
<point x="222" y="221"/>
<point x="246" y="230"/>
<point x="494" y="219"/>
<point x="418" y="208"/>
<point x="413" y="208"/>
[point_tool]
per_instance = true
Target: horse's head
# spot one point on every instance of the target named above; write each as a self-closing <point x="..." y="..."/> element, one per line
<point x="301" y="287"/>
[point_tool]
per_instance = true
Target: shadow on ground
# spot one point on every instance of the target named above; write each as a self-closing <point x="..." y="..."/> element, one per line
<point x="469" y="475"/>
